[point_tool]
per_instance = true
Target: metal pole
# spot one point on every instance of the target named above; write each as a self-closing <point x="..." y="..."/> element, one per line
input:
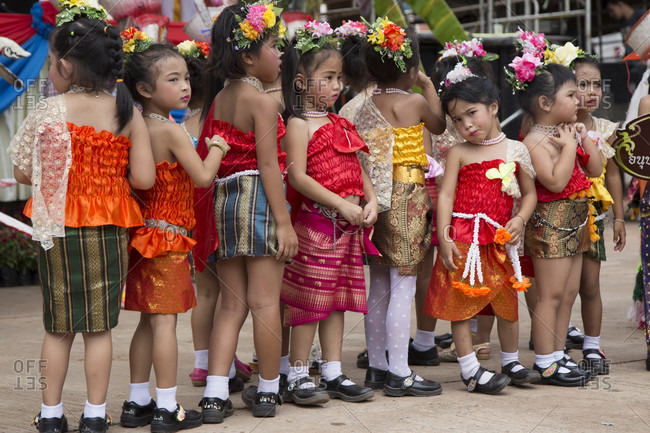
<point x="490" y="14"/>
<point x="588" y="26"/>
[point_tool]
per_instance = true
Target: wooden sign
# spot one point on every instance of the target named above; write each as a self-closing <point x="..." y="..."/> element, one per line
<point x="632" y="146"/>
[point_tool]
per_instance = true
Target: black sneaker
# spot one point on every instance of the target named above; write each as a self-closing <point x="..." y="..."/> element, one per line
<point x="521" y="376"/>
<point x="134" y="415"/>
<point x="397" y="386"/>
<point x="180" y="419"/>
<point x="427" y="357"/>
<point x="305" y="396"/>
<point x="351" y="393"/>
<point x="50" y="425"/>
<point x="94" y="425"/>
<point x="215" y="410"/>
<point x="262" y="403"/>
<point x="236" y="384"/>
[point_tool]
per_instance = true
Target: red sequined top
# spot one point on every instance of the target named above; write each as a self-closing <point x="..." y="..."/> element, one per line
<point x="331" y="157"/>
<point x="577" y="182"/>
<point x="242" y="155"/>
<point x="475" y="193"/>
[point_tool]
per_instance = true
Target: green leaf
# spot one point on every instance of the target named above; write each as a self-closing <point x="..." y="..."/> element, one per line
<point x="441" y="20"/>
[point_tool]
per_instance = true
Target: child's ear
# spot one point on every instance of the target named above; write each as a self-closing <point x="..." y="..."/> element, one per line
<point x="493" y="108"/>
<point x="247" y="58"/>
<point x="144" y="89"/>
<point x="544" y="104"/>
<point x="299" y="82"/>
<point x="65" y="69"/>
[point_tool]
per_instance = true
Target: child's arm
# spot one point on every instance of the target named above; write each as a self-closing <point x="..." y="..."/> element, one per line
<point x="429" y="106"/>
<point x="448" y="249"/>
<point x="266" y="134"/>
<point x="297" y="140"/>
<point x="528" y="202"/>
<point x="594" y="167"/>
<point x="142" y="167"/>
<point x="370" y="209"/>
<point x="615" y="188"/>
<point x="21" y="177"/>
<point x="554" y="176"/>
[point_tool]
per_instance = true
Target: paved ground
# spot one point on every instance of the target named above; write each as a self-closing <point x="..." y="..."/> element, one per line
<point x="617" y="402"/>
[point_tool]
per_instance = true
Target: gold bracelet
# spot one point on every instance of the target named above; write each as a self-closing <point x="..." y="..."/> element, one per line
<point x="219" y="145"/>
<point x="618" y="219"/>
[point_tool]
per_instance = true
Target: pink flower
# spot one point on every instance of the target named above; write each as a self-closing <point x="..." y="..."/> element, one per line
<point x="256" y="17"/>
<point x="524" y="67"/>
<point x="477" y="48"/>
<point x="319" y="29"/>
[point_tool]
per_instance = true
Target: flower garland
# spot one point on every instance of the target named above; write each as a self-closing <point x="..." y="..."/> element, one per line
<point x="193" y="49"/>
<point x="472" y="48"/>
<point x="389" y="40"/>
<point x="72" y="9"/>
<point x="261" y="18"/>
<point x="313" y="36"/>
<point x="134" y="41"/>
<point x="351" y="28"/>
<point x="591" y="219"/>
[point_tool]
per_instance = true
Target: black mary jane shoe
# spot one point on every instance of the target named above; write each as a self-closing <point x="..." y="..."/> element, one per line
<point x="577" y="340"/>
<point x="352" y="393"/>
<point x="521" y="376"/>
<point x="214" y="410"/>
<point x="50" y="425"/>
<point x="598" y="365"/>
<point x="493" y="386"/>
<point x="362" y="359"/>
<point x="551" y="376"/>
<point x="397" y="386"/>
<point x="236" y="384"/>
<point x="375" y="378"/>
<point x="577" y="368"/>
<point x="262" y="403"/>
<point x="311" y="395"/>
<point x="134" y="415"/>
<point x="427" y="357"/>
<point x="180" y="419"/>
<point x="94" y="425"/>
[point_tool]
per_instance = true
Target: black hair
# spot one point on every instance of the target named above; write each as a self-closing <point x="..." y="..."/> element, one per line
<point x="224" y="60"/>
<point x="196" y="68"/>
<point x="445" y="65"/>
<point x="293" y="63"/>
<point x="480" y="89"/>
<point x="95" y="50"/>
<point x="142" y="67"/>
<point x="546" y="83"/>
<point x="385" y="70"/>
<point x="587" y="60"/>
<point x="354" y="62"/>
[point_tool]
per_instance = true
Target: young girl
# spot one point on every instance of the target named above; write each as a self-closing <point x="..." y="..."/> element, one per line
<point x="253" y="223"/>
<point x="159" y="283"/>
<point x="326" y="278"/>
<point x="391" y="123"/>
<point x="478" y="240"/>
<point x="558" y="233"/>
<point x="78" y="164"/>
<point x="603" y="131"/>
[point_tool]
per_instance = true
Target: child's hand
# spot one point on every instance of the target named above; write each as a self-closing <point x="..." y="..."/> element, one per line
<point x="449" y="250"/>
<point x="287" y="242"/>
<point x="582" y="130"/>
<point x="351" y="212"/>
<point x="567" y="137"/>
<point x="619" y="235"/>
<point x="370" y="213"/>
<point x="515" y="227"/>
<point x="422" y="80"/>
<point x="217" y="139"/>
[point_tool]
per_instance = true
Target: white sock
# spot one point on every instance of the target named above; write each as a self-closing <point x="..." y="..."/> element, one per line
<point x="216" y="387"/>
<point x="398" y="321"/>
<point x="507" y="358"/>
<point x="233" y="370"/>
<point x="52" y="411"/>
<point x="375" y="321"/>
<point x="166" y="398"/>
<point x="284" y="365"/>
<point x="473" y="324"/>
<point x="573" y="332"/>
<point x="201" y="359"/>
<point x="544" y="361"/>
<point x="558" y="355"/>
<point x="569" y="361"/>
<point x="297" y="373"/>
<point x="139" y="393"/>
<point x="331" y="370"/>
<point x="95" y="410"/>
<point x="424" y="340"/>
<point x="269" y="385"/>
<point x="592" y="343"/>
<point x="469" y="365"/>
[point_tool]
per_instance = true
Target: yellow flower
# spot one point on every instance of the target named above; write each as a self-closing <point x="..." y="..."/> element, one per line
<point x="185" y="47"/>
<point x="281" y="30"/>
<point x="129" y="46"/>
<point x="566" y="54"/>
<point x="269" y="16"/>
<point x="249" y="32"/>
<point x="549" y="56"/>
<point x="376" y="37"/>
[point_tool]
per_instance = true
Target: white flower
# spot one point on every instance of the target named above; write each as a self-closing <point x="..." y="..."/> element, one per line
<point x="566" y="54"/>
<point x="458" y="74"/>
<point x="185" y="47"/>
<point x="451" y="52"/>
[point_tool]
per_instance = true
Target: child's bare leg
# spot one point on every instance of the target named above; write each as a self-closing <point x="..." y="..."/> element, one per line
<point x="484" y="326"/>
<point x="531" y="297"/>
<point x="207" y="294"/>
<point x="564" y="311"/>
<point x="508" y="335"/>
<point x="98" y="356"/>
<point x="55" y="354"/>
<point x="141" y="351"/>
<point x="462" y="335"/>
<point x="165" y="349"/>
<point x="301" y="339"/>
<point x="592" y="304"/>
<point x="330" y="334"/>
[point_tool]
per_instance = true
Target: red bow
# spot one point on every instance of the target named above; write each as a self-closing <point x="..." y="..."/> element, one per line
<point x="346" y="137"/>
<point x="582" y="156"/>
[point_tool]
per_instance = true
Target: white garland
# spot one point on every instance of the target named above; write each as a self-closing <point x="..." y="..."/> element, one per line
<point x="473" y="261"/>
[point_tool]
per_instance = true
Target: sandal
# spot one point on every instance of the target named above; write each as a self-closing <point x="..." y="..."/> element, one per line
<point x="244" y="372"/>
<point x="449" y="354"/>
<point x="482" y="351"/>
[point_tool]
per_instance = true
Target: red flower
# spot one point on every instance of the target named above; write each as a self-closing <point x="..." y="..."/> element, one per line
<point x="393" y="37"/>
<point x="204" y="47"/>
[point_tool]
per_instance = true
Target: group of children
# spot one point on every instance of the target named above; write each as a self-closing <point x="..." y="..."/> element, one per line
<point x="360" y="188"/>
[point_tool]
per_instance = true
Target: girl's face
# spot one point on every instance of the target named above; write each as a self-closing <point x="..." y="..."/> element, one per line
<point x="565" y="107"/>
<point x="590" y="90"/>
<point x="474" y="121"/>
<point x="61" y="83"/>
<point x="173" y="89"/>
<point x="266" y="66"/>
<point x="322" y="89"/>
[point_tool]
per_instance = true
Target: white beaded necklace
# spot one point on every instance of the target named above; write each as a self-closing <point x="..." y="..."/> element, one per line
<point x="315" y="114"/>
<point x="388" y="91"/>
<point x="548" y="130"/>
<point x="498" y="139"/>
<point x="253" y="81"/>
<point x="159" y="117"/>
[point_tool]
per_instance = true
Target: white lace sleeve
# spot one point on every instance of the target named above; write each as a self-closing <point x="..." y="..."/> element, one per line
<point x="518" y="152"/>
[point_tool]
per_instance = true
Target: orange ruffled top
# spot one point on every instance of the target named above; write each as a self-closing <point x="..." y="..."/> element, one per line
<point x="577" y="182"/>
<point x="98" y="190"/>
<point x="171" y="200"/>
<point x="332" y="158"/>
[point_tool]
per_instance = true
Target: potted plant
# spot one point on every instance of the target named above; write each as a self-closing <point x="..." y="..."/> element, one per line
<point x="9" y="249"/>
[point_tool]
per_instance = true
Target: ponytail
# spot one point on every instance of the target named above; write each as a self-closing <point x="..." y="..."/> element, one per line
<point x="290" y="93"/>
<point x="123" y="99"/>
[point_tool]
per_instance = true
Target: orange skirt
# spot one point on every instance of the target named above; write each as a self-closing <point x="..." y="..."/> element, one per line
<point x="448" y="303"/>
<point x="161" y="285"/>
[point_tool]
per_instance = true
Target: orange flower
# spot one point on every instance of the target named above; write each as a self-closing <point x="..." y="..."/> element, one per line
<point x="470" y="291"/>
<point x="520" y="286"/>
<point x="393" y="37"/>
<point x="204" y="47"/>
<point x="502" y="236"/>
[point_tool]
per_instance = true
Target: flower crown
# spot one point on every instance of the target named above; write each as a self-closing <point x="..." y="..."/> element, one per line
<point x="313" y="36"/>
<point x="389" y="40"/>
<point x="71" y="9"/>
<point x="537" y="53"/>
<point x="134" y="41"/>
<point x="193" y="49"/>
<point x="473" y="48"/>
<point x="261" y="18"/>
<point x="457" y="75"/>
<point x="351" y="28"/>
